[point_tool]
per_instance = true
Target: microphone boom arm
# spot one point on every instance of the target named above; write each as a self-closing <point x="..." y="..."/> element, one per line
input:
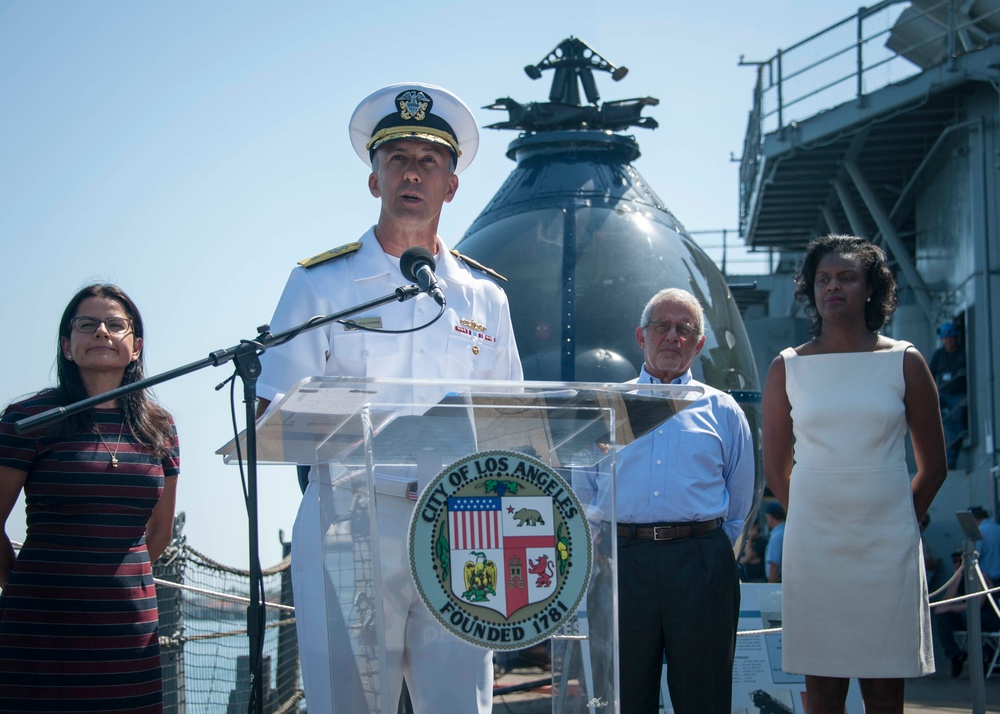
<point x="264" y="341"/>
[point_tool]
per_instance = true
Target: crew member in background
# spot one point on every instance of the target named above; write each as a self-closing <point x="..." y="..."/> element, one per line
<point x="989" y="546"/>
<point x="774" y="514"/>
<point x="951" y="617"/>
<point x="948" y="367"/>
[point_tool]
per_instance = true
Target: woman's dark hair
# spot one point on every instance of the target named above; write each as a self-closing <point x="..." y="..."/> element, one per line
<point x="878" y="277"/>
<point x="147" y="420"/>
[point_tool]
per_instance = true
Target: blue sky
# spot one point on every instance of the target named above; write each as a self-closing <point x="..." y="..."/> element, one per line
<point x="192" y="152"/>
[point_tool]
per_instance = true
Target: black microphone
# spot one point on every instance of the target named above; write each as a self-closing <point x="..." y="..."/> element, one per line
<point x="417" y="264"/>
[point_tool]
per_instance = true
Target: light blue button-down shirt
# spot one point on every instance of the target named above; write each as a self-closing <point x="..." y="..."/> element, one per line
<point x="696" y="466"/>
<point x="989" y="549"/>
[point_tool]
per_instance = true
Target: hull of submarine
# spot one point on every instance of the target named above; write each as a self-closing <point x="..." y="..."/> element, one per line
<point x="584" y="242"/>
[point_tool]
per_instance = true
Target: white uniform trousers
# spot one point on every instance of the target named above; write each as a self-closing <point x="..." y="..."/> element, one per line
<point x="443" y="673"/>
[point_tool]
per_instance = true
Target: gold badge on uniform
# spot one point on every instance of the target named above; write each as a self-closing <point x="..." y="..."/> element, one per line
<point x="413" y="104"/>
<point x="476" y="332"/>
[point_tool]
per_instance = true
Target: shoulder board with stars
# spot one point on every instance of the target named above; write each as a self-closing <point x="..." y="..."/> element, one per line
<point x="329" y="255"/>
<point x="476" y="265"/>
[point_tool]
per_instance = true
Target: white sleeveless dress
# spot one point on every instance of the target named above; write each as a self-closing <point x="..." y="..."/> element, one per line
<point x="854" y="593"/>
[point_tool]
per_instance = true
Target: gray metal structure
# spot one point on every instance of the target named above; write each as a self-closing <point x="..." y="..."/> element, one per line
<point x="887" y="125"/>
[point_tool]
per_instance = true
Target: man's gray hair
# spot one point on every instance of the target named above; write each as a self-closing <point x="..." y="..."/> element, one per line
<point x="675" y="295"/>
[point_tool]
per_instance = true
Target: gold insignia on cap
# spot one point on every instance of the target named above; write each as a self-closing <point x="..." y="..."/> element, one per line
<point x="413" y="104"/>
<point x="475" y="349"/>
<point x="329" y="255"/>
<point x="425" y="133"/>
<point x="414" y="120"/>
<point x="421" y="112"/>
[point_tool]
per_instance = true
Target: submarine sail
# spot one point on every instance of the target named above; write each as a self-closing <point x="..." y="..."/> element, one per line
<point x="584" y="241"/>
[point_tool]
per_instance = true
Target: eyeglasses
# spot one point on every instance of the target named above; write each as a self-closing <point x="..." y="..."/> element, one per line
<point x="662" y="327"/>
<point x="114" y="325"/>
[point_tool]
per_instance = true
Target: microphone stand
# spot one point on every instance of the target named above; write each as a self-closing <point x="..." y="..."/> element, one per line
<point x="246" y="357"/>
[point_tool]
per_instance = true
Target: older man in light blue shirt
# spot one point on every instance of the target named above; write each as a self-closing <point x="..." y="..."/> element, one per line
<point x="683" y="492"/>
<point x="698" y="466"/>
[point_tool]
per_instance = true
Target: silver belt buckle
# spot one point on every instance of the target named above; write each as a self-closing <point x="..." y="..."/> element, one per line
<point x="668" y="532"/>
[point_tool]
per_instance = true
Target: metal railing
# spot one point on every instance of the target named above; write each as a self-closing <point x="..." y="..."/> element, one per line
<point x="878" y="46"/>
<point x="730" y="253"/>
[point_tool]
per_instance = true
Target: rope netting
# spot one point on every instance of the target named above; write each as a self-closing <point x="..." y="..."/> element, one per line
<point x="203" y="634"/>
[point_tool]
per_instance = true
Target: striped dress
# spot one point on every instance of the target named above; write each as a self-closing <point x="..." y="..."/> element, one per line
<point x="78" y="618"/>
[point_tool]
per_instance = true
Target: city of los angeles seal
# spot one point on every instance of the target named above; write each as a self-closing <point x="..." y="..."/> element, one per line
<point x="500" y="549"/>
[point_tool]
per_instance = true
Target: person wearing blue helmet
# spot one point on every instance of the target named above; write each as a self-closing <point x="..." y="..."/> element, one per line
<point x="948" y="367"/>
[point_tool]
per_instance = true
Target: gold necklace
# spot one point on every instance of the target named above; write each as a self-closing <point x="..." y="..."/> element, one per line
<point x="114" y="454"/>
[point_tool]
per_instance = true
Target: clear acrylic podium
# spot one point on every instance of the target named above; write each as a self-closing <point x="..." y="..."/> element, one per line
<point x="374" y="445"/>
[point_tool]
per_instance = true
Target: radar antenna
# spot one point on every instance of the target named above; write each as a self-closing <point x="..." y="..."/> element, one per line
<point x="574" y="62"/>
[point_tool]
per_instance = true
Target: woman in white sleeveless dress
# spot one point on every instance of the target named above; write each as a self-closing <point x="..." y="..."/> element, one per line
<point x="854" y="596"/>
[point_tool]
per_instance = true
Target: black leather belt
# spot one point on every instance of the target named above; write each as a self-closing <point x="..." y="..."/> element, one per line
<point x="666" y="531"/>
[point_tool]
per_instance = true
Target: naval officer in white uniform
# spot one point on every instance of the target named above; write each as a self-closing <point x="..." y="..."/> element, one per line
<point x="416" y="138"/>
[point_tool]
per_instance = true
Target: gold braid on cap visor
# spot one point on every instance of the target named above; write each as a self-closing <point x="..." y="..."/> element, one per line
<point x="426" y="133"/>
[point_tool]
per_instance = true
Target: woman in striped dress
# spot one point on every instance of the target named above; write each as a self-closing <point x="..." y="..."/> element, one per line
<point x="78" y="617"/>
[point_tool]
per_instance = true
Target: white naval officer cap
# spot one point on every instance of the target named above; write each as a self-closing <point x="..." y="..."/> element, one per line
<point x="413" y="110"/>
